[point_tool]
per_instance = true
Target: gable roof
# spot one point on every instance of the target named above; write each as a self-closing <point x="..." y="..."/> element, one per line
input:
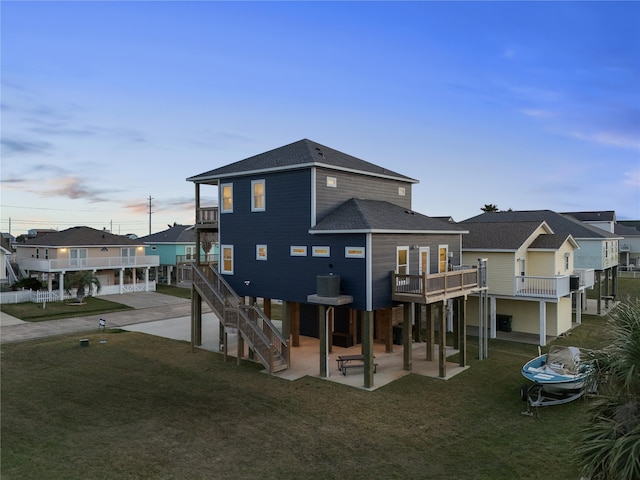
<point x="80" y="237"/>
<point x="504" y="236"/>
<point x="552" y="241"/>
<point x="301" y="154"/>
<point x="174" y="234"/>
<point x="557" y="222"/>
<point x="358" y="215"/>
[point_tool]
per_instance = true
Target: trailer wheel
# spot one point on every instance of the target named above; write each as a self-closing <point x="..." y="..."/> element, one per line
<point x="524" y="392"/>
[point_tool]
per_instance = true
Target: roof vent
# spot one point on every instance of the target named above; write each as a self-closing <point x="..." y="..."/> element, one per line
<point x="410" y="212"/>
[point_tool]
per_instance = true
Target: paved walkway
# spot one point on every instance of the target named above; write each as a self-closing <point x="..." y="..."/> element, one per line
<point x="149" y="307"/>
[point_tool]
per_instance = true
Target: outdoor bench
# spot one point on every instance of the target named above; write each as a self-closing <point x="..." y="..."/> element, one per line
<point x="349" y="361"/>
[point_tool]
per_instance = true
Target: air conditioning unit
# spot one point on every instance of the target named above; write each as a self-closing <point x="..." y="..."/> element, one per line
<point x="328" y="285"/>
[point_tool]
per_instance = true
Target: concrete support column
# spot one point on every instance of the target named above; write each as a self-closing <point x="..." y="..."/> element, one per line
<point x="543" y="323"/>
<point x="61" y="284"/>
<point x="462" y="330"/>
<point x="430" y="332"/>
<point x="146" y="279"/>
<point x="406" y="334"/>
<point x="492" y="317"/>
<point x="578" y="295"/>
<point x="121" y="283"/>
<point x="367" y="347"/>
<point x="442" y="339"/>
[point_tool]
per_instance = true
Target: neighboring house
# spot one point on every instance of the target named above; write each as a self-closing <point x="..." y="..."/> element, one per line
<point x="115" y="259"/>
<point x="629" y="245"/>
<point x="336" y="240"/>
<point x="4" y="261"/>
<point x="176" y="248"/>
<point x="529" y="274"/>
<point x="598" y="248"/>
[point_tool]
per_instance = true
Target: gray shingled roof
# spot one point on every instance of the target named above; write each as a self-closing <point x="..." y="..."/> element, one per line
<point x="599" y="216"/>
<point x="376" y="216"/>
<point x="303" y="153"/>
<point x="174" y="234"/>
<point x="559" y="223"/>
<point x="497" y="235"/>
<point x="626" y="230"/>
<point x="81" y="237"/>
<point x="550" y="242"/>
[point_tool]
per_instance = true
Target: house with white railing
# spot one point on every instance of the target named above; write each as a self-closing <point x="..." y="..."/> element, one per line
<point x="532" y="277"/>
<point x="119" y="262"/>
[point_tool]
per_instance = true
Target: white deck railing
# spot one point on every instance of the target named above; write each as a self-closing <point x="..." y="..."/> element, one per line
<point x="587" y="276"/>
<point x="99" y="263"/>
<point x="542" y="287"/>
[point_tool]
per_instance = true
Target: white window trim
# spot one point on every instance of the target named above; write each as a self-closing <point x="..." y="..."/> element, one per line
<point x="221" y="201"/>
<point x="354" y="252"/>
<point x="258" y="256"/>
<point x="398" y="249"/>
<point x="402" y="191"/>
<point x="332" y="182"/>
<point x="253" y="197"/>
<point x="318" y="251"/>
<point x="298" y="250"/>
<point x="222" y="249"/>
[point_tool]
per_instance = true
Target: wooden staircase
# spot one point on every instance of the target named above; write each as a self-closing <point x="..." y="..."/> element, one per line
<point x="270" y="348"/>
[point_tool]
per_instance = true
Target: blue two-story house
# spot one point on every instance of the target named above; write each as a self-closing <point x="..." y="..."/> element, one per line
<point x="336" y="240"/>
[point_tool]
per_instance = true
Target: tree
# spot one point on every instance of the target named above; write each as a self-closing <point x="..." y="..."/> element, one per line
<point x="610" y="443"/>
<point x="84" y="282"/>
<point x="207" y="239"/>
<point x="29" y="283"/>
<point x="489" y="207"/>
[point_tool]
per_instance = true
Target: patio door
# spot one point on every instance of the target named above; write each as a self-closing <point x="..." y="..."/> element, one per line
<point x="77" y="257"/>
<point x="423" y="266"/>
<point x="443" y="254"/>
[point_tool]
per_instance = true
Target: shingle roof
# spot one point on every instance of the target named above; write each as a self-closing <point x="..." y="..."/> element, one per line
<point x="626" y="230"/>
<point x="376" y="216"/>
<point x="559" y="223"/>
<point x="550" y="242"/>
<point x="81" y="237"/>
<point x="599" y="216"/>
<point x="497" y="235"/>
<point x="303" y="153"/>
<point x="174" y="234"/>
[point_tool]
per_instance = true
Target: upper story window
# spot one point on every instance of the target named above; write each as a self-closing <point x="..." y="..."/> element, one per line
<point x="332" y="182"/>
<point x="227" y="197"/>
<point x="258" y="196"/>
<point x="402" y="191"/>
<point x="261" y="252"/>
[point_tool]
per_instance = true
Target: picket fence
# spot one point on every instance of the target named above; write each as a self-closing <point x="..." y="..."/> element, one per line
<point x="44" y="296"/>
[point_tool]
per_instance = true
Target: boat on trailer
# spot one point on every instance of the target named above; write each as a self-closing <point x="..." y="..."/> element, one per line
<point x="559" y="376"/>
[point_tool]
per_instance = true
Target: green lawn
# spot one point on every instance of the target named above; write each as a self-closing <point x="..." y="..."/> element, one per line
<point x="140" y="407"/>
<point x="144" y="407"/>
<point x="34" y="312"/>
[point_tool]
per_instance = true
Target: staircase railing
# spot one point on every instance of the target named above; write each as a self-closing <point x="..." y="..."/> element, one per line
<point x="267" y="343"/>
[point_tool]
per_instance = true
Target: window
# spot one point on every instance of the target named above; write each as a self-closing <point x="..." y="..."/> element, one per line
<point x="566" y="261"/>
<point x="402" y="191"/>
<point x="261" y="252"/>
<point x="128" y="255"/>
<point x="298" y="251"/>
<point x="189" y="252"/>
<point x="354" y="252"/>
<point x="227" y="259"/>
<point x="78" y="257"/>
<point x="321" y="251"/>
<point x="37" y="253"/>
<point x="402" y="260"/>
<point x="227" y="197"/>
<point x="257" y="196"/>
<point x="332" y="182"/>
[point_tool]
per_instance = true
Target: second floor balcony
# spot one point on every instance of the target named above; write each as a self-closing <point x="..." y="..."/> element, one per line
<point x="191" y="258"/>
<point x="542" y="287"/>
<point x="97" y="263"/>
<point x="434" y="287"/>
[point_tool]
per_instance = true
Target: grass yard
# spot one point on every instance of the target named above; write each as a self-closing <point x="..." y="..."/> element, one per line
<point x="33" y="312"/>
<point x="144" y="407"/>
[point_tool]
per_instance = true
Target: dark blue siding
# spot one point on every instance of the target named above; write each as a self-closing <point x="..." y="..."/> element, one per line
<point x="285" y="223"/>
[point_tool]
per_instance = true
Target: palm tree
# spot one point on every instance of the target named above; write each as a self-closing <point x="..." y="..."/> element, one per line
<point x="610" y="442"/>
<point x="489" y="207"/>
<point x="84" y="282"/>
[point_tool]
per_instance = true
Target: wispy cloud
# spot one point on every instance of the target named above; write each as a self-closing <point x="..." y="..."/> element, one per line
<point x="614" y="139"/>
<point x="538" y="113"/>
<point x="11" y="146"/>
<point x="72" y="187"/>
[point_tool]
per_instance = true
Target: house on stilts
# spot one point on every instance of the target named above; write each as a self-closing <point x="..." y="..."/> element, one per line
<point x="335" y="239"/>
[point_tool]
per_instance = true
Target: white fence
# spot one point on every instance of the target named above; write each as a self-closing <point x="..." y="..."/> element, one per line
<point x="43" y="296"/>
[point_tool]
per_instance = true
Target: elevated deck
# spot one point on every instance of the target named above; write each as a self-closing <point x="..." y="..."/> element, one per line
<point x="433" y="288"/>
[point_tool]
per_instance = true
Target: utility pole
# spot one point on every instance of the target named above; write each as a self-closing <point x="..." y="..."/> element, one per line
<point x="150" y="213"/>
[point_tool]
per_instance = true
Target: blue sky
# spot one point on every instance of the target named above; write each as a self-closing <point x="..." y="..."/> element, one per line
<point x="523" y="105"/>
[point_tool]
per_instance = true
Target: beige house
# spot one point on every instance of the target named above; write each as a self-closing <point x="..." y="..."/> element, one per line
<point x="117" y="261"/>
<point x="530" y="276"/>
